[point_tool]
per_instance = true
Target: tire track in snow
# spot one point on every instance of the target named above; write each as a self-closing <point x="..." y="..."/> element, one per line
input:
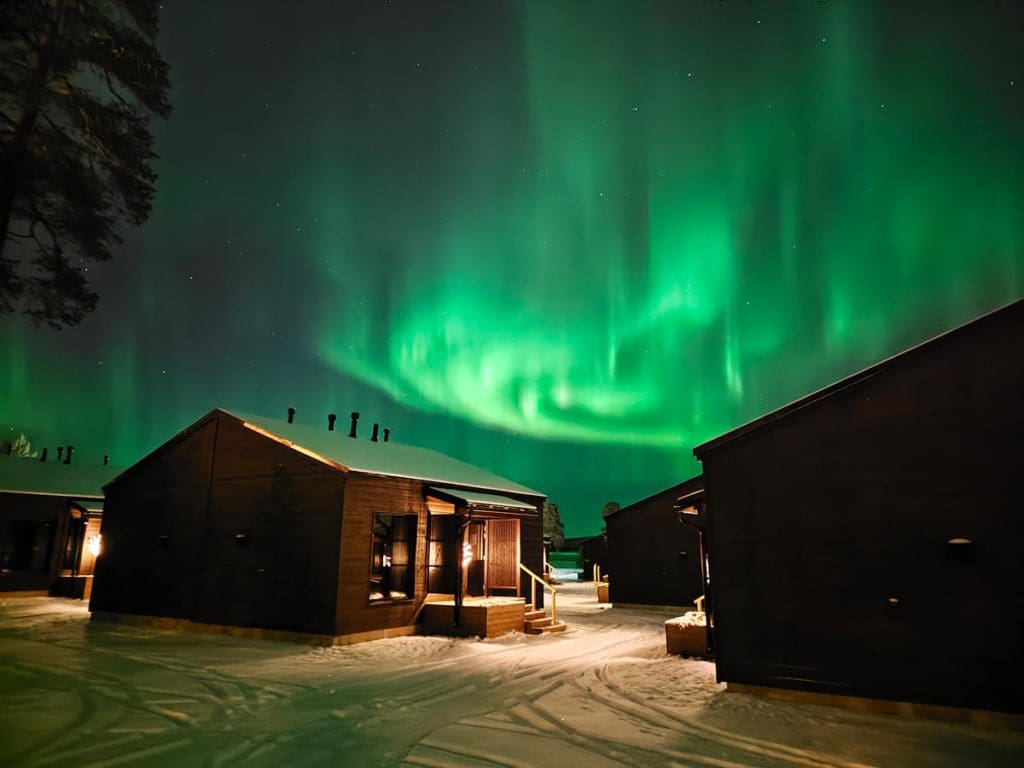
<point x="615" y="697"/>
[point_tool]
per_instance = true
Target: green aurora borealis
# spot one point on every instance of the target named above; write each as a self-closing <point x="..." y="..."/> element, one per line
<point x="564" y="241"/>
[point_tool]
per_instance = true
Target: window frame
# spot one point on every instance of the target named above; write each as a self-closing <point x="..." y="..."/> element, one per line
<point x="381" y="548"/>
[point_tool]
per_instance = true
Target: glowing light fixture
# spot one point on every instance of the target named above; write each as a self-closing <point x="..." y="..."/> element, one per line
<point x="467" y="554"/>
<point x="93" y="544"/>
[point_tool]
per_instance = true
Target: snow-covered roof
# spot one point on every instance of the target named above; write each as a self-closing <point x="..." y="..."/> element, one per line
<point x="477" y="499"/>
<point x="54" y="478"/>
<point x="380" y="458"/>
<point x="692" y="487"/>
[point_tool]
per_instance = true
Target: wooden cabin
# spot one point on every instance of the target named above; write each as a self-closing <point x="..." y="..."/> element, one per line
<point x="50" y="516"/>
<point x="286" y="529"/>
<point x="593" y="552"/>
<point x="867" y="540"/>
<point x="653" y="558"/>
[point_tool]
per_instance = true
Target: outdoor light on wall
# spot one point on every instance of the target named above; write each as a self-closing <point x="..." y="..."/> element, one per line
<point x="467" y="554"/>
<point x="386" y="561"/>
<point x="93" y="545"/>
<point x="961" y="549"/>
<point x="685" y="512"/>
<point x="241" y="539"/>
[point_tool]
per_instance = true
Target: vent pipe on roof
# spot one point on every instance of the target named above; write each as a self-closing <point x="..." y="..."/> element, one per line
<point x="106" y="459"/>
<point x="42" y="456"/>
<point x="67" y="458"/>
<point x="387" y="434"/>
<point x="60" y="453"/>
<point x="291" y="415"/>
<point x="331" y="418"/>
<point x="355" y="418"/>
<point x="376" y="427"/>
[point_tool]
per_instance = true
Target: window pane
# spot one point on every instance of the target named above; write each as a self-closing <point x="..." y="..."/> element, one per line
<point x="392" y="557"/>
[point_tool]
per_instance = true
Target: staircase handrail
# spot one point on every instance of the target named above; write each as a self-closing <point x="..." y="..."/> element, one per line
<point x="534" y="581"/>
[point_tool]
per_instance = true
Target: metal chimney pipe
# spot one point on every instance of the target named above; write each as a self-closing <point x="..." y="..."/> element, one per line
<point x="376" y="427"/>
<point x="331" y="418"/>
<point x="291" y="415"/>
<point x="355" y="418"/>
<point x="42" y="456"/>
<point x="387" y="434"/>
<point x="60" y="453"/>
<point x="67" y="458"/>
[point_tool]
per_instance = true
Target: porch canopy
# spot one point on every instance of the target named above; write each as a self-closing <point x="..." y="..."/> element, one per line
<point x="474" y="500"/>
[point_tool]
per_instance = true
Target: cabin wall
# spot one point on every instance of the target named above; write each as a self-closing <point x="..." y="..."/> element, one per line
<point x="652" y="558"/>
<point x="531" y="553"/>
<point x="153" y="526"/>
<point x="594" y="551"/>
<point x="33" y="533"/>
<point x="270" y="543"/>
<point x="223" y="526"/>
<point x="366" y="496"/>
<point x="830" y="560"/>
<point x="369" y="495"/>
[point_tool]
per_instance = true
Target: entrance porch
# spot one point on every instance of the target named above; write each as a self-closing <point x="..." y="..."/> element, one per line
<point x="476" y="576"/>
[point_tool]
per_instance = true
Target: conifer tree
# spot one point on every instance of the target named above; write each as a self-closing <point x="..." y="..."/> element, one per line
<point x="609" y="508"/>
<point x="79" y="81"/>
<point x="554" y="530"/>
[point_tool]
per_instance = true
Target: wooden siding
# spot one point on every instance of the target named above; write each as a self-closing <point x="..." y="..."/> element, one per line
<point x="652" y="559"/>
<point x="172" y="524"/>
<point x="482" y="620"/>
<point x="531" y="553"/>
<point x="270" y="547"/>
<point x="365" y="496"/>
<point x="153" y="525"/>
<point x="830" y="527"/>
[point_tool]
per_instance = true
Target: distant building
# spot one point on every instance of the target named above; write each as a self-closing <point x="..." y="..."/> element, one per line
<point x="50" y="516"/>
<point x="868" y="539"/>
<point x="248" y="522"/>
<point x="652" y="558"/>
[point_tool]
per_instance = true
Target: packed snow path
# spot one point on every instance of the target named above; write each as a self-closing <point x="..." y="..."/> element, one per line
<point x="604" y="693"/>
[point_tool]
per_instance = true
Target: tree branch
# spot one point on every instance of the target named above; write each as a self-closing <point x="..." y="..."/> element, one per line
<point x="113" y="90"/>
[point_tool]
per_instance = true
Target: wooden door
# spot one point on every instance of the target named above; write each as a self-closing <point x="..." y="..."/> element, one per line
<point x="503" y="555"/>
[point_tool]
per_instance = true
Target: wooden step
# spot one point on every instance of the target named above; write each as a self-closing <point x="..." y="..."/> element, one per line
<point x="537" y="623"/>
<point x="559" y="627"/>
<point x="533" y="615"/>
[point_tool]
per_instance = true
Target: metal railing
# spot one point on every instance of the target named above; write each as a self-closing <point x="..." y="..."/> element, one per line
<point x="534" y="581"/>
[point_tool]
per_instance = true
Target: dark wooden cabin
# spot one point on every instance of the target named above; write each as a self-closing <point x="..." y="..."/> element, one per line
<point x="244" y="521"/>
<point x="49" y="525"/>
<point x="593" y="551"/>
<point x="653" y="559"/>
<point x="868" y="539"/>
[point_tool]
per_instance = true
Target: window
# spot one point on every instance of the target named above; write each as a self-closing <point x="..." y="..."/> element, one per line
<point x="392" y="557"/>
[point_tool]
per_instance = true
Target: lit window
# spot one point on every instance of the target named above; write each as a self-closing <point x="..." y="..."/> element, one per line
<point x="392" y="557"/>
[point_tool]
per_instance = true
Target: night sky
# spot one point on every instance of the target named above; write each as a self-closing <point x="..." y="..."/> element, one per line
<point x="563" y="241"/>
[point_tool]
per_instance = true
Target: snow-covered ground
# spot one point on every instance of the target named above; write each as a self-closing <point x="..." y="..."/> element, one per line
<point x="603" y="693"/>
